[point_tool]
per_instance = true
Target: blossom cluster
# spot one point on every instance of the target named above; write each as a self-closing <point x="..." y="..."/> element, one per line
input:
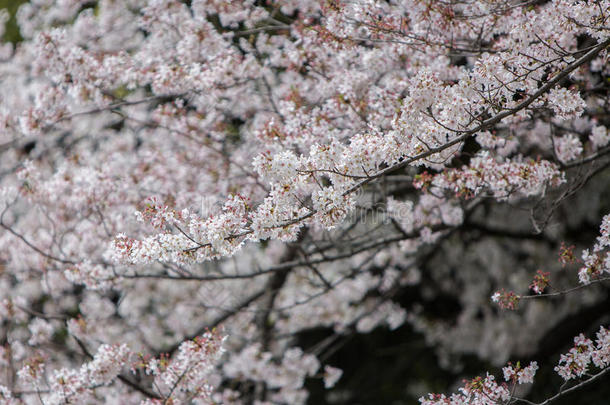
<point x="596" y="262"/>
<point x="283" y="169"/>
<point x="188" y="375"/>
<point x="179" y="379"/>
<point x="573" y="365"/>
<point x="70" y="385"/>
<point x="576" y="362"/>
<point x="478" y="391"/>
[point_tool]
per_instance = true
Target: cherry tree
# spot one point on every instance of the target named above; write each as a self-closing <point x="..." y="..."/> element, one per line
<point x="206" y="201"/>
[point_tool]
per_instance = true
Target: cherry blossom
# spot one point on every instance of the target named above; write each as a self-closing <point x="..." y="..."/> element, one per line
<point x="219" y="201"/>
